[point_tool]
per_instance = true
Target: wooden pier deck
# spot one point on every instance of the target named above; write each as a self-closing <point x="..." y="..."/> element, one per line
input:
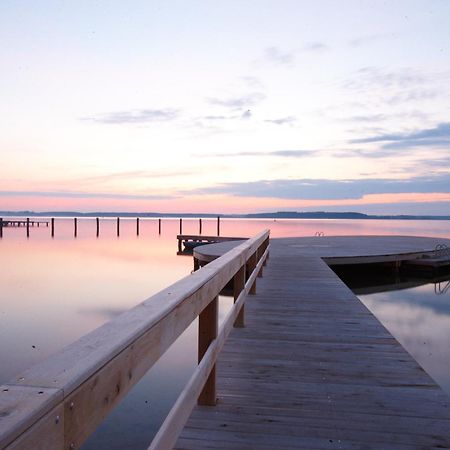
<point x="313" y="368"/>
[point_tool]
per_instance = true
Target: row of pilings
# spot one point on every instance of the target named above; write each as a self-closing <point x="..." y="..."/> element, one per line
<point x="29" y="223"/>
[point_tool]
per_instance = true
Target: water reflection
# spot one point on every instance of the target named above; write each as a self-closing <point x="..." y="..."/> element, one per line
<point x="419" y="318"/>
<point x="54" y="290"/>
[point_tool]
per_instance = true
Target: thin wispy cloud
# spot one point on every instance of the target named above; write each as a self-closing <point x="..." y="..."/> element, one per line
<point x="240" y="102"/>
<point x="252" y="82"/>
<point x="133" y="175"/>
<point x="276" y="153"/>
<point x="438" y="136"/>
<point x="370" y="39"/>
<point x="277" y="56"/>
<point x="324" y="189"/>
<point x="75" y="194"/>
<point x="137" y="116"/>
<point x="315" y="47"/>
<point x="288" y="120"/>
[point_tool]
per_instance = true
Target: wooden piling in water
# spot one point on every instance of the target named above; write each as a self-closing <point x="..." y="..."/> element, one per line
<point x="218" y="225"/>
<point x="1" y="227"/>
<point x="118" y="226"/>
<point x="75" y="230"/>
<point x="53" y="227"/>
<point x="200" y="226"/>
<point x="97" y="220"/>
<point x="181" y="226"/>
<point x="159" y="226"/>
<point x="28" y="227"/>
<point x="137" y="226"/>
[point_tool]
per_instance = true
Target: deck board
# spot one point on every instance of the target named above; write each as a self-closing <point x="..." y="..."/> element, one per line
<point x="313" y="368"/>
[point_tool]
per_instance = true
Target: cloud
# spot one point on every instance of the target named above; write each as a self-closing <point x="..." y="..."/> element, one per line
<point x="246" y="114"/>
<point x="135" y="174"/>
<point x="252" y="82"/>
<point x="315" y="47"/>
<point x="277" y="56"/>
<point x="369" y="76"/>
<point x="395" y="87"/>
<point x="137" y="116"/>
<point x="283" y="120"/>
<point x="73" y="194"/>
<point x="432" y="137"/>
<point x="236" y="103"/>
<point x="369" y="39"/>
<point x="281" y="153"/>
<point x="324" y="189"/>
<point x="383" y="117"/>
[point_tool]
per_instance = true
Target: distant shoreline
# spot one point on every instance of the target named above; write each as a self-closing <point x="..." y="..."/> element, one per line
<point x="275" y="215"/>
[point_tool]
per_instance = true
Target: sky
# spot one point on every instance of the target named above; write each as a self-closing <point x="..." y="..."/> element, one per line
<point x="225" y="107"/>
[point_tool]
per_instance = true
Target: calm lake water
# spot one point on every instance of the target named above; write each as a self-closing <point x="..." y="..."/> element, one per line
<point x="54" y="290"/>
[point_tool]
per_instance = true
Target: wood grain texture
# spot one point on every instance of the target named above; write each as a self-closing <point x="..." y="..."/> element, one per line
<point x="313" y="368"/>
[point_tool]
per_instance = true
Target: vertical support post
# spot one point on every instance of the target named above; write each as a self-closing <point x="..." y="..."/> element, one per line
<point x="159" y="226"/>
<point x="38" y="224"/>
<point x="118" y="226"/>
<point x="181" y="226"/>
<point x="97" y="223"/>
<point x="1" y="227"/>
<point x="53" y="227"/>
<point x="179" y="245"/>
<point x="251" y="264"/>
<point x="137" y="226"/>
<point x="207" y="332"/>
<point x="238" y="286"/>
<point x="75" y="227"/>
<point x="28" y="227"/>
<point x="259" y="253"/>
<point x="200" y="226"/>
<point x="218" y="225"/>
<point x="196" y="264"/>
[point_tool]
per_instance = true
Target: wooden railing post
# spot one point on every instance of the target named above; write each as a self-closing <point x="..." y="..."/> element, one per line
<point x="207" y="331"/>
<point x="238" y="285"/>
<point x="251" y="264"/>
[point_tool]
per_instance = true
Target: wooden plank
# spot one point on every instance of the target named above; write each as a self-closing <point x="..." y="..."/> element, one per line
<point x="168" y="433"/>
<point x="95" y="372"/>
<point x="313" y="368"/>
<point x="21" y="407"/>
<point x="46" y="434"/>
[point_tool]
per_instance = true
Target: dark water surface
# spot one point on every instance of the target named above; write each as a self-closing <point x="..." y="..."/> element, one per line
<point x="55" y="290"/>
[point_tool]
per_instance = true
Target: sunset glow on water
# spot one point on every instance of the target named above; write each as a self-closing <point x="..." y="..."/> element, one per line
<point x="54" y="290"/>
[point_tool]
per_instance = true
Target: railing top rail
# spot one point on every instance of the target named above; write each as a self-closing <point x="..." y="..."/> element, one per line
<point x="64" y="373"/>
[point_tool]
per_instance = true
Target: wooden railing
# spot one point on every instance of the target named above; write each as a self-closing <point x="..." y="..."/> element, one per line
<point x="58" y="403"/>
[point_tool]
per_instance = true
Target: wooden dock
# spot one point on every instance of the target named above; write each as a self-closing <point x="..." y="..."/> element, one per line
<point x="313" y="368"/>
<point x="297" y="362"/>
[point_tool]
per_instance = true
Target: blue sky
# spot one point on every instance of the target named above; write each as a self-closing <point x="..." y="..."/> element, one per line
<point x="225" y="106"/>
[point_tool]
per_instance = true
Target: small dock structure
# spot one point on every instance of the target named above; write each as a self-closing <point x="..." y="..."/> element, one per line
<point x="298" y="362"/>
<point x="187" y="242"/>
<point x="22" y="223"/>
